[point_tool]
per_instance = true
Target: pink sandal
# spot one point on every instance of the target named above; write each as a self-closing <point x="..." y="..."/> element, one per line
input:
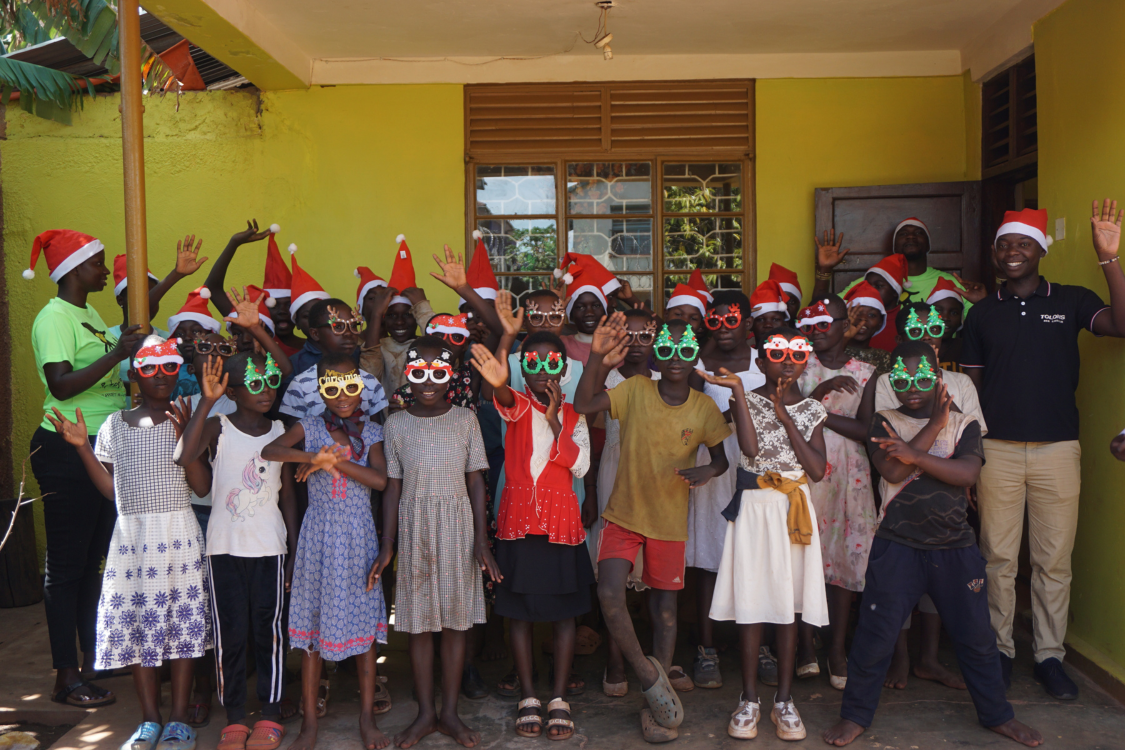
<point x="267" y="735"/>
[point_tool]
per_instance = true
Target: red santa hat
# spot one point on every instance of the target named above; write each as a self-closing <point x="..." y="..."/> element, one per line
<point x="911" y="222"/>
<point x="278" y="280"/>
<point x="446" y="323"/>
<point x="305" y="288"/>
<point x="64" y="250"/>
<point x="368" y="280"/>
<point x="479" y="273"/>
<point x="402" y="272"/>
<point x="893" y="268"/>
<point x="120" y="277"/>
<point x="786" y="278"/>
<point x="865" y="295"/>
<point x="196" y="308"/>
<point x="815" y="313"/>
<point x="1030" y="221"/>
<point x="159" y="352"/>
<point x="583" y="273"/>
<point x="696" y="282"/>
<point x="768" y="297"/>
<point x="945" y="289"/>
<point x="685" y="295"/>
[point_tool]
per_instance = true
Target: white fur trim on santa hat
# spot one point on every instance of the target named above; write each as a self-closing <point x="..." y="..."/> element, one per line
<point x="117" y="289"/>
<point x="814" y="320"/>
<point x="400" y="300"/>
<point x="275" y="228"/>
<point x="305" y="298"/>
<point x="367" y="288"/>
<point x="890" y="279"/>
<point x="912" y="223"/>
<point x="440" y="328"/>
<point x="204" y="320"/>
<point x="874" y="302"/>
<point x="768" y="307"/>
<point x="1013" y="227"/>
<point x="574" y="294"/>
<point x="75" y="259"/>
<point x="610" y="286"/>
<point x="790" y="289"/>
<point x="485" y="292"/>
<point x="280" y="293"/>
<point x="686" y="299"/>
<point x="944" y="294"/>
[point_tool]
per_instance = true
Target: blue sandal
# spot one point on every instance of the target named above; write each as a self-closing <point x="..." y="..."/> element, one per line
<point x="176" y="736"/>
<point x="144" y="738"/>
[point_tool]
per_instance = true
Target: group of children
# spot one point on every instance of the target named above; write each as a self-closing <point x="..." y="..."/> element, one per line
<point x="730" y="434"/>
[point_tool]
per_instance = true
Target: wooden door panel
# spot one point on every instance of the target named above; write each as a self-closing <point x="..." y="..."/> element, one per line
<point x="868" y="216"/>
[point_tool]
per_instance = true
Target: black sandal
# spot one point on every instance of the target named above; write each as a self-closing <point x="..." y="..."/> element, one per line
<point x="101" y="696"/>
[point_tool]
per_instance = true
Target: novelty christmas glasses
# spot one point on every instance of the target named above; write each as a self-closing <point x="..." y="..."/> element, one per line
<point x="222" y="348"/>
<point x="553" y="365"/>
<point x="334" y="384"/>
<point x="934" y="325"/>
<point x="418" y="370"/>
<point x="256" y="380"/>
<point x="924" y="378"/>
<point x="665" y="349"/>
<point x="815" y="318"/>
<point x="161" y="357"/>
<point x="454" y="329"/>
<point x="732" y="319"/>
<point x="643" y="337"/>
<point x="339" y="326"/>
<point x="554" y="317"/>
<point x="796" y="349"/>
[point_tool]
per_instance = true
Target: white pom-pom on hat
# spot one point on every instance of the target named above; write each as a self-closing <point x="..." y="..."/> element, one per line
<point x="205" y="293"/>
<point x="568" y="279"/>
<point x="271" y="302"/>
<point x="292" y="247"/>
<point x="28" y="274"/>
<point x="558" y="272"/>
<point x="1050" y="240"/>
<point x="476" y="234"/>
<point x="400" y="238"/>
<point x="275" y="228"/>
<point x="356" y="272"/>
<point x="906" y="284"/>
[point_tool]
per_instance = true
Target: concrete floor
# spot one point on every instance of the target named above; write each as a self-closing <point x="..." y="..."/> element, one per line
<point x="925" y="715"/>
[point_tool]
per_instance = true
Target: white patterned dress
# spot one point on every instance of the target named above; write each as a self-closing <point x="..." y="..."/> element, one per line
<point x="763" y="576"/>
<point x="439" y="580"/>
<point x="155" y="601"/>
<point x="844" y="499"/>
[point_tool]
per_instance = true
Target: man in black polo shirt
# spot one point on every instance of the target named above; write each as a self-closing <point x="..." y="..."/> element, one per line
<point x="1021" y="350"/>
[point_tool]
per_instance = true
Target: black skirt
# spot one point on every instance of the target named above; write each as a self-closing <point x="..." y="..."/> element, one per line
<point x="543" y="582"/>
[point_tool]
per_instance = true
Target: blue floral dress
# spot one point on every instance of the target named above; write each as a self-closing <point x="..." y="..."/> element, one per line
<point x="330" y="610"/>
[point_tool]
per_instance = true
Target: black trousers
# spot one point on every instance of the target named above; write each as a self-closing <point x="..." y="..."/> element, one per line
<point x="897" y="576"/>
<point x="79" y="523"/>
<point x="248" y="598"/>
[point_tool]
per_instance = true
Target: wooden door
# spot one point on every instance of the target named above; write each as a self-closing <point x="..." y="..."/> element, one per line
<point x="868" y="216"/>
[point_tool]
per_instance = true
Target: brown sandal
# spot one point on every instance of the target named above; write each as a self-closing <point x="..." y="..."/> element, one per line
<point x="524" y="724"/>
<point x="382" y="702"/>
<point x="558" y="704"/>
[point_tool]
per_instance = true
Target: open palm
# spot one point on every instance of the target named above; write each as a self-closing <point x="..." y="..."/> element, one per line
<point x="493" y="369"/>
<point x="1105" y="227"/>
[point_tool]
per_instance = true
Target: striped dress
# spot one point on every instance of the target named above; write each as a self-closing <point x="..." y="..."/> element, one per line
<point x="439" y="581"/>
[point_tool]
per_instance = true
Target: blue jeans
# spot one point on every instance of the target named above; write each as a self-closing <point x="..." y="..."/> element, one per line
<point x="897" y="576"/>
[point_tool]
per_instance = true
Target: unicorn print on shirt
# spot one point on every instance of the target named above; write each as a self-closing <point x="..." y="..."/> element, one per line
<point x="243" y="500"/>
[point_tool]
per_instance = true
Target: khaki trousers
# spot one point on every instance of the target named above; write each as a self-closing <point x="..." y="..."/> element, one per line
<point x="1044" y="477"/>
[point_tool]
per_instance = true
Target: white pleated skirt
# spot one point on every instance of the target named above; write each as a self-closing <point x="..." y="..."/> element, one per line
<point x="762" y="576"/>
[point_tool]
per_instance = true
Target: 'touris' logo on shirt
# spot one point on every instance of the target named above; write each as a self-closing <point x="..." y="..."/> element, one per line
<point x="1060" y="318"/>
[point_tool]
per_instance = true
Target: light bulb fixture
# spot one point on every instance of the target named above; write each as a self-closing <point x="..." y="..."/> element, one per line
<point x="603" y="45"/>
<point x="602" y="37"/>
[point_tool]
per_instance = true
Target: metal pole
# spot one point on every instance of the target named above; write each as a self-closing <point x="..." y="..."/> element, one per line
<point x="133" y="160"/>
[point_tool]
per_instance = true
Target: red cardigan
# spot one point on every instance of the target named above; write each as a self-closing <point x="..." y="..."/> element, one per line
<point x="546" y="505"/>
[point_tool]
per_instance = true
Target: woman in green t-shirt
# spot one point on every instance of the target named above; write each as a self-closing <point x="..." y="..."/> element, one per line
<point x="77" y="361"/>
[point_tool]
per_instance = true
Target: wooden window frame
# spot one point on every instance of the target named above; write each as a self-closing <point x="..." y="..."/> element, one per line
<point x="1010" y="90"/>
<point x="658" y="157"/>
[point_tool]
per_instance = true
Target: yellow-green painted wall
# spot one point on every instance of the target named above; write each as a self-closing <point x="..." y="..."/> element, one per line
<point x="1079" y="69"/>
<point x="814" y="133"/>
<point x="343" y="170"/>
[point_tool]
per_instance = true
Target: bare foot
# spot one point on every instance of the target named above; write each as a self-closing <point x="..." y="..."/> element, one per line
<point x="1019" y="732"/>
<point x="452" y="725"/>
<point x="423" y="725"/>
<point x="927" y="669"/>
<point x="900" y="666"/>
<point x="373" y="737"/>
<point x="306" y="740"/>
<point x="843" y="733"/>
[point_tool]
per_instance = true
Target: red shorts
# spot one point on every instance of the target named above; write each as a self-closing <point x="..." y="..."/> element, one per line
<point x="663" y="561"/>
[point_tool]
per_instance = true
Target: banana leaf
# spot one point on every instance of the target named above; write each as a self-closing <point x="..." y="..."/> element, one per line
<point x="43" y="91"/>
<point x="90" y="25"/>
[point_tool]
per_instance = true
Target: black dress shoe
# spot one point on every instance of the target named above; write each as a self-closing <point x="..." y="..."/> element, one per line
<point x="1050" y="672"/>
<point x="472" y="685"/>
<point x="1006" y="670"/>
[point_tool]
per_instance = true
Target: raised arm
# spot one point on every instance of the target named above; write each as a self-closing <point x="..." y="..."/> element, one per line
<point x="453" y="276"/>
<point x="1105" y="225"/>
<point x="197" y="472"/>
<point x="811" y="453"/>
<point x="244" y="313"/>
<point x="739" y="410"/>
<point x="590" y="396"/>
<point x="201" y="431"/>
<point x="828" y="256"/>
<point x="187" y="263"/>
<point x="216" y="279"/>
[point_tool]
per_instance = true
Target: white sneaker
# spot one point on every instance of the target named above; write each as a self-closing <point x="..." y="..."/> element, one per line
<point x="744" y="722"/>
<point x="788" y="721"/>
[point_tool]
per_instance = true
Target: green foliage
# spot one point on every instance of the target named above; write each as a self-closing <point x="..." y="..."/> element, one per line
<point x="90" y="25"/>
<point x="44" y="92"/>
<point x="535" y="250"/>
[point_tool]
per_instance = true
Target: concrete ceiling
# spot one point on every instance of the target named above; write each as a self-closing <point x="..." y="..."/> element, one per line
<point x="454" y="28"/>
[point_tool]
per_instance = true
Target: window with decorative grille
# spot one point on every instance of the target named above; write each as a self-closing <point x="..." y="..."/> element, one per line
<point x="1009" y="132"/>
<point x="652" y="178"/>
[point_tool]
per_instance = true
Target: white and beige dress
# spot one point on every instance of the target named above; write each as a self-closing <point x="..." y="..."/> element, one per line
<point x="762" y="576"/>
